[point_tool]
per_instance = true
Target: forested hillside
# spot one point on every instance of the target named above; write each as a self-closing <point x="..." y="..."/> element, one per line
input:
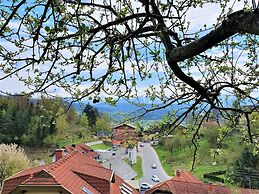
<point x="45" y="122"/>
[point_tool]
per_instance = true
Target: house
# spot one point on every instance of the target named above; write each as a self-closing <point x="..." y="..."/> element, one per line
<point x="74" y="173"/>
<point x="123" y="133"/>
<point x="186" y="183"/>
<point x="83" y="148"/>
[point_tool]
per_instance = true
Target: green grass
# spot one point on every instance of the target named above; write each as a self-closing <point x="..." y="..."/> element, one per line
<point x="101" y="146"/>
<point x="69" y="141"/>
<point x="43" y="153"/>
<point x="137" y="168"/>
<point x="164" y="155"/>
<point x="182" y="159"/>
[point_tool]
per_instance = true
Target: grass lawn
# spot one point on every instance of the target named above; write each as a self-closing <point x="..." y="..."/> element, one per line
<point x="70" y="140"/>
<point x="101" y="146"/>
<point x="182" y="159"/>
<point x="163" y="156"/>
<point x="137" y="167"/>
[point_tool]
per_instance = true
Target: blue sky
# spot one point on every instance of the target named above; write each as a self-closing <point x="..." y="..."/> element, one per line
<point x="197" y="17"/>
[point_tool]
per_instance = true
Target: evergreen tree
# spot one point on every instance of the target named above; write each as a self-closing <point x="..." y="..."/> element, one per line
<point x="92" y="114"/>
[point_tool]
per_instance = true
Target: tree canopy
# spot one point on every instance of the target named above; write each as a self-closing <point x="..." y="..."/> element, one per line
<point x="91" y="113"/>
<point x="107" y="50"/>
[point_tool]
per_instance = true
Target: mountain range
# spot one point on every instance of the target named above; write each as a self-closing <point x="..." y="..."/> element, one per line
<point x="124" y="109"/>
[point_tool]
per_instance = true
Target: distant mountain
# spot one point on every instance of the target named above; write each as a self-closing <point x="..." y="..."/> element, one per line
<point x="124" y="109"/>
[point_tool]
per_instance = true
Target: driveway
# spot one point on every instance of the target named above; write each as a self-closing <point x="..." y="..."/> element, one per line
<point x="149" y="157"/>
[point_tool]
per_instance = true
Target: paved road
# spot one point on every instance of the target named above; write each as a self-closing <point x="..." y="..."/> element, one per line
<point x="149" y="156"/>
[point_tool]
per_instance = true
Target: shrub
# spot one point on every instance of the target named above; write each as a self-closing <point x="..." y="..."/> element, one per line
<point x="12" y="160"/>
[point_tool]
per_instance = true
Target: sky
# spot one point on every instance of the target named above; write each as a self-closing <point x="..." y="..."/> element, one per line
<point x="197" y="16"/>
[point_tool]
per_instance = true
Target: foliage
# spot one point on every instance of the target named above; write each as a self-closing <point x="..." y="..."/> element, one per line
<point x="247" y="160"/>
<point x="83" y="120"/>
<point x="92" y="114"/>
<point x="180" y="158"/>
<point x="12" y="160"/>
<point x="103" y="123"/>
<point x="108" y="50"/>
<point x="129" y="143"/>
<point x="27" y="122"/>
<point x="42" y="122"/>
<point x="246" y="168"/>
<point x="212" y="132"/>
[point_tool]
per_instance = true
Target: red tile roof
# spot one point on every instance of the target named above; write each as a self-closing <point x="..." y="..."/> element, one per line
<point x="187" y="183"/>
<point x="82" y="148"/>
<point x="187" y="177"/>
<point x="73" y="173"/>
<point x="124" y="125"/>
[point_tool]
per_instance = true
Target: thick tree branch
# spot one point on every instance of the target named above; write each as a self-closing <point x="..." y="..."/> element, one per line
<point x="238" y="22"/>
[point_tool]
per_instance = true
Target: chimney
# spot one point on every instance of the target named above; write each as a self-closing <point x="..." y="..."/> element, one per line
<point x="210" y="188"/>
<point x="178" y="172"/>
<point x="58" y="154"/>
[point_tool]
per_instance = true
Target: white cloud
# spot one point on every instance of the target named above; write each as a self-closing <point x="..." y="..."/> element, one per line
<point x="197" y="16"/>
<point x="208" y="14"/>
<point x="12" y="85"/>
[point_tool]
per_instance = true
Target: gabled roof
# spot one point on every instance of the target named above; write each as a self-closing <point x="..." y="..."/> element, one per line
<point x="124" y="124"/>
<point x="186" y="177"/>
<point x="182" y="187"/>
<point x="82" y="148"/>
<point x="73" y="173"/>
<point x="186" y="183"/>
<point x="123" y="134"/>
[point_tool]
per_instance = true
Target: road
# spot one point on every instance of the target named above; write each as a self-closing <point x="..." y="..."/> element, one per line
<point x="149" y="156"/>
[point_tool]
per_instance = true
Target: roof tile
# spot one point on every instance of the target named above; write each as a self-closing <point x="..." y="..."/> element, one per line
<point x="73" y="172"/>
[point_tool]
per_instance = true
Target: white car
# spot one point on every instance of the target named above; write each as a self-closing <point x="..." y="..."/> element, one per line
<point x="155" y="178"/>
<point x="153" y="166"/>
<point x="145" y="186"/>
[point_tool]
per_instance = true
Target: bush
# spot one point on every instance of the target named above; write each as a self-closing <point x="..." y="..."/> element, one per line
<point x="12" y="160"/>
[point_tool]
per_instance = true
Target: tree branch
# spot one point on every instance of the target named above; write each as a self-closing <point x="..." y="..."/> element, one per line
<point x="238" y="22"/>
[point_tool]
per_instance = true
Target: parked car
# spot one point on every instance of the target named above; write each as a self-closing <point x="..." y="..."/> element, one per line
<point x="115" y="149"/>
<point x="154" y="143"/>
<point x="141" y="145"/>
<point x="155" y="178"/>
<point x="145" y="186"/>
<point x="153" y="166"/>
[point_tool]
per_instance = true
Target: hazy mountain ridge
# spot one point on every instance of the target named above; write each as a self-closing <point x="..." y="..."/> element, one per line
<point x="125" y="109"/>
